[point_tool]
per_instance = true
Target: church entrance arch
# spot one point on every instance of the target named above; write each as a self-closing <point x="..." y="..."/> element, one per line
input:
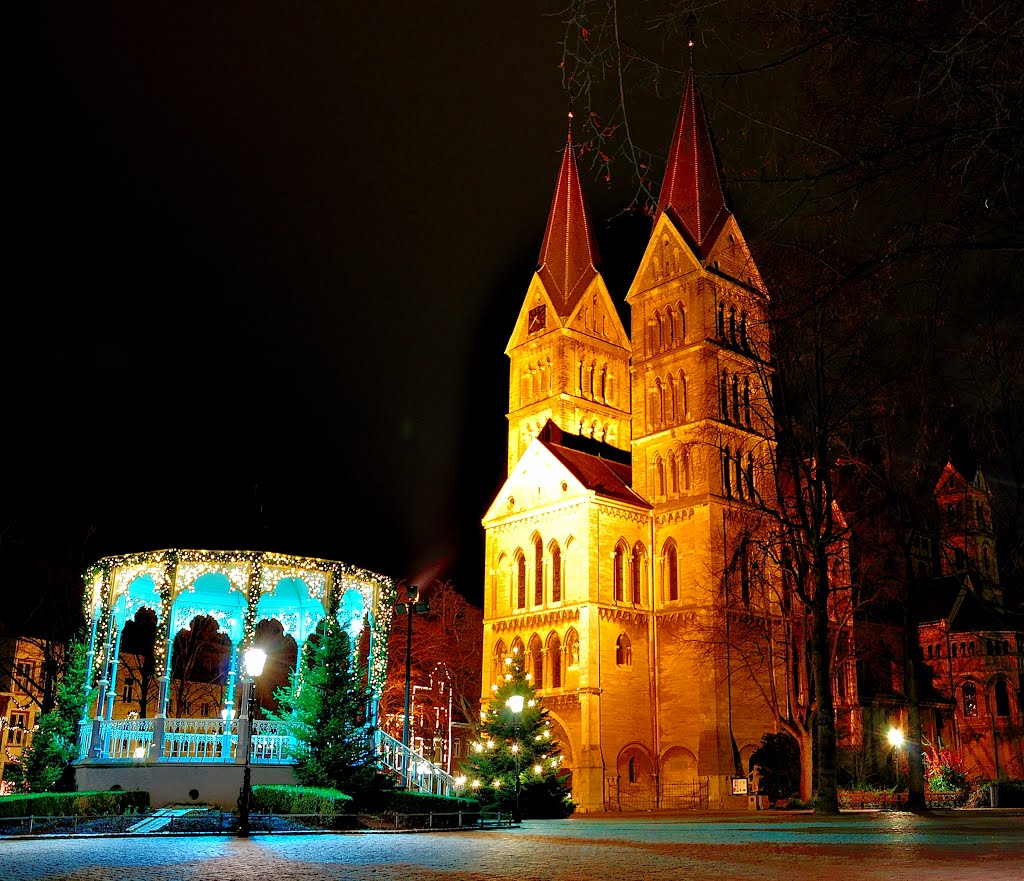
<point x="634" y="786"/>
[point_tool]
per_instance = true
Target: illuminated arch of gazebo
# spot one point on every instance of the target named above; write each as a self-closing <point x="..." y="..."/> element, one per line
<point x="237" y="589"/>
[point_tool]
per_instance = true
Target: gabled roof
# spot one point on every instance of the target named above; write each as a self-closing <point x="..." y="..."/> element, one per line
<point x="568" y="254"/>
<point x="597" y="466"/>
<point x="692" y="194"/>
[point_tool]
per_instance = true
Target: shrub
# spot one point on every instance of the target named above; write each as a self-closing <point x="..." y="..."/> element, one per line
<point x="404" y="802"/>
<point x="944" y="770"/>
<point x="334" y="807"/>
<point x="65" y="804"/>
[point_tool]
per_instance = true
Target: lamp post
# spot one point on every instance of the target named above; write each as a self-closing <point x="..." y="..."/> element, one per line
<point x="895" y="737"/>
<point x="409" y="608"/>
<point x="254" y="660"/>
<point x="515" y="704"/>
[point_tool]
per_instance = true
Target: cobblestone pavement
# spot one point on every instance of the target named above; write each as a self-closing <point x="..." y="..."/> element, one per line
<point x="960" y="846"/>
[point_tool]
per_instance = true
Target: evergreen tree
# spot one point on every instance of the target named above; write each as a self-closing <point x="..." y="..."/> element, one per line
<point x="510" y="744"/>
<point x="46" y="761"/>
<point x="327" y="705"/>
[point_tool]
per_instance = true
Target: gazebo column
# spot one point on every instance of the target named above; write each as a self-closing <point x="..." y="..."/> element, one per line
<point x="115" y="661"/>
<point x="163" y="691"/>
<point x="229" y="695"/>
<point x="97" y="749"/>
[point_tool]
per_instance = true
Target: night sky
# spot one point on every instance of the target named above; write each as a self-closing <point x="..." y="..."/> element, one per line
<point x="265" y="265"/>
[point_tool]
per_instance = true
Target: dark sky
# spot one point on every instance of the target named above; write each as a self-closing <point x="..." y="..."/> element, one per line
<point x="265" y="264"/>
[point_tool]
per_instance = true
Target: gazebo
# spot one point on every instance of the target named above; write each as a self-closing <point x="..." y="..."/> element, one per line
<point x="188" y="757"/>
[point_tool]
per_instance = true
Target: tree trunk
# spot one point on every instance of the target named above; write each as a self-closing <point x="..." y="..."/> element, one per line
<point x="915" y="753"/>
<point x="825" y="718"/>
<point x="806" y="744"/>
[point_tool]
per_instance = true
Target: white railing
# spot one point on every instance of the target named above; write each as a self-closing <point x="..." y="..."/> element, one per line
<point x="272" y="744"/>
<point x="126" y="738"/>
<point x="198" y="740"/>
<point x="423" y="775"/>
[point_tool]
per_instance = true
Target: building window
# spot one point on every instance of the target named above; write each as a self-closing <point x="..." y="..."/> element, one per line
<point x="538" y="571"/>
<point x="672" y="572"/>
<point x="631" y="769"/>
<point x="1002" y="698"/>
<point x="555" y="658"/>
<point x="521" y="582"/>
<point x="18" y="723"/>
<point x="623" y="651"/>
<point x="617" y="574"/>
<point x="537" y="662"/>
<point x="556" y="574"/>
<point x="970" y="699"/>
<point x="636" y="572"/>
<point x="129" y="690"/>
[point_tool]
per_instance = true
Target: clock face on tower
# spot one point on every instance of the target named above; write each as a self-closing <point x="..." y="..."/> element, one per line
<point x="536" y="319"/>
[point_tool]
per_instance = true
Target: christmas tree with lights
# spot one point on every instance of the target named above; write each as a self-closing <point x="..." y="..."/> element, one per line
<point x="515" y="763"/>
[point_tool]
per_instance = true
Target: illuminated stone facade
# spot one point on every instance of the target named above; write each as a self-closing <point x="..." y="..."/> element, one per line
<point x="630" y="456"/>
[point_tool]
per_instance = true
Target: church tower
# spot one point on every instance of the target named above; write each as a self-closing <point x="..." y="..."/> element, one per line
<point x="967" y="537"/>
<point x="569" y="352"/>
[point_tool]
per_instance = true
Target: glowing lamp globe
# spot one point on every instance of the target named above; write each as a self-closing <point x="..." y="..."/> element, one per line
<point x="515" y="703"/>
<point x="254" y="660"/>
<point x="895" y="738"/>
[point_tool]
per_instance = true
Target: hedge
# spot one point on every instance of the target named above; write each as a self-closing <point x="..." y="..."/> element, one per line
<point x="404" y="802"/>
<point x="66" y="804"/>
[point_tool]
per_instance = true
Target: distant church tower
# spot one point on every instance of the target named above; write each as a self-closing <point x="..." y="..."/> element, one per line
<point x="630" y="461"/>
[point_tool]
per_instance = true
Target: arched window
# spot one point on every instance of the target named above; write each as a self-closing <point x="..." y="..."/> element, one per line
<point x="683" y="405"/>
<point x="538" y="571"/>
<point x="929" y="653"/>
<point x="617" y="574"/>
<point x="661" y="330"/>
<point x="520" y="580"/>
<point x="518" y="649"/>
<point x="750" y="474"/>
<point x="556" y="573"/>
<point x="687" y="470"/>
<point x="724" y="395"/>
<point x="727" y="472"/>
<point x="659" y="403"/>
<point x="673" y="473"/>
<point x="746" y="400"/>
<point x="682" y="323"/>
<point x="623" y="651"/>
<point x="670" y="325"/>
<point x="732" y="324"/>
<point x="672" y="572"/>
<point x="555" y="660"/>
<point x="970" y="699"/>
<point x="659" y="475"/>
<point x="631" y="769"/>
<point x="672" y="414"/>
<point x="721" y="320"/>
<point x="537" y="661"/>
<point x="637" y="571"/>
<point x="736" y="398"/>
<point x="1002" y="698"/>
<point x="743" y="330"/>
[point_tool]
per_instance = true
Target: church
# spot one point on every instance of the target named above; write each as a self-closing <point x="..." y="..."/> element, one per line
<point x="631" y="452"/>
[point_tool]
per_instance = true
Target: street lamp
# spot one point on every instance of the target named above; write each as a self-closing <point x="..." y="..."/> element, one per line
<point x="515" y="704"/>
<point x="254" y="660"/>
<point x="895" y="737"/>
<point x="409" y="608"/>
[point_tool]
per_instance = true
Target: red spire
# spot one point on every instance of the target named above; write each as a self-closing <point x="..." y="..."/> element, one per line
<point x="691" y="193"/>
<point x="568" y="254"/>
